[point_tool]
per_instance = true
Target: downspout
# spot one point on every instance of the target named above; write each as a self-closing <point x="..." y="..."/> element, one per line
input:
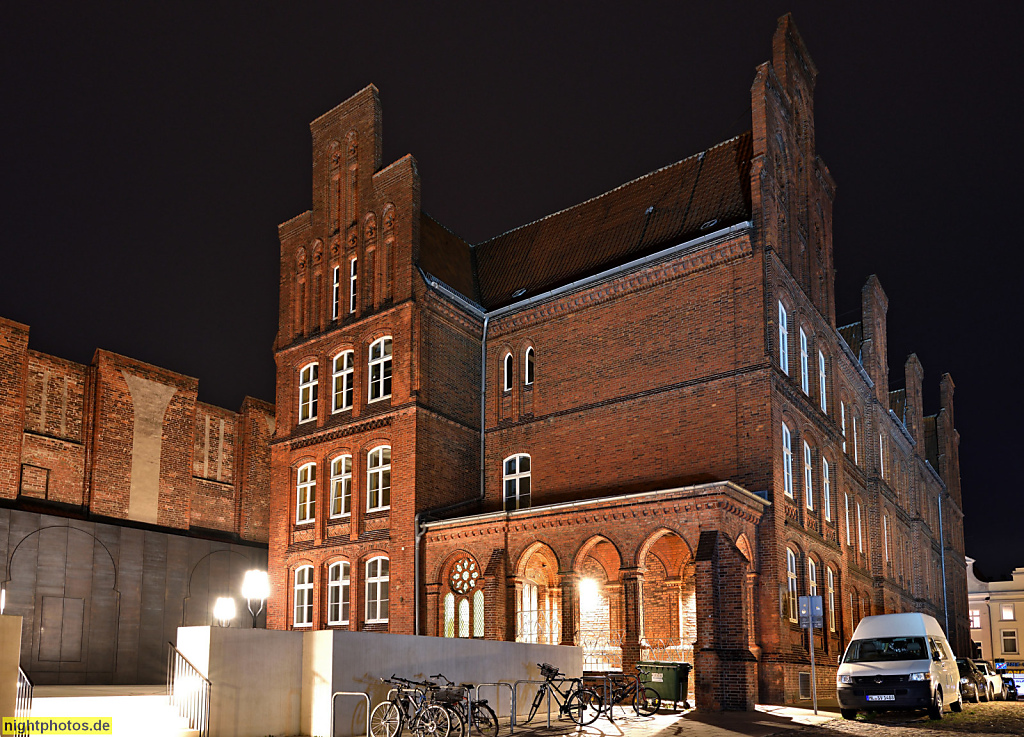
<point x="418" y="526"/>
<point x="483" y="401"/>
<point x="942" y="552"/>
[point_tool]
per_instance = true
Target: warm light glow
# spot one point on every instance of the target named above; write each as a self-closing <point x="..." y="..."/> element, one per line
<point x="3" y="600"/>
<point x="256" y="585"/>
<point x="590" y="597"/>
<point x="224" y="610"/>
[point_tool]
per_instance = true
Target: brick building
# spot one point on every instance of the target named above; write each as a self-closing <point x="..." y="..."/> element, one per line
<point x="633" y="425"/>
<point x="126" y="507"/>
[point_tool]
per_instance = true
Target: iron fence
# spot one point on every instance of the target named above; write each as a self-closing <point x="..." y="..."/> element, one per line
<point x="23" y="704"/>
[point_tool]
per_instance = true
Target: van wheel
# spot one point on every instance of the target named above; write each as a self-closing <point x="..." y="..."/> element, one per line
<point x="848" y="713"/>
<point x="935" y="710"/>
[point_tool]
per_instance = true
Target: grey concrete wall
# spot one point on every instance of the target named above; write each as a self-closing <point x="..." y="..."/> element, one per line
<point x="10" y="652"/>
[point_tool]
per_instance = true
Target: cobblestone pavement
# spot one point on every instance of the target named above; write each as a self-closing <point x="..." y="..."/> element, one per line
<point x="993" y="718"/>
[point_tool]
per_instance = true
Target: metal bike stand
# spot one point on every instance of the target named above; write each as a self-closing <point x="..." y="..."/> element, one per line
<point x="606" y="698"/>
<point x="360" y="694"/>
<point x="511" y="702"/>
<point x="578" y="681"/>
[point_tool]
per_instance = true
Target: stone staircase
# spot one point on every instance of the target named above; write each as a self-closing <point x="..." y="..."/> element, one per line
<point x="135" y="710"/>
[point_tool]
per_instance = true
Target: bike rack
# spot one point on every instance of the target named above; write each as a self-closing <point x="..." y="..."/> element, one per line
<point x="360" y="694"/>
<point x="511" y="702"/>
<point x="606" y="680"/>
<point x="578" y="682"/>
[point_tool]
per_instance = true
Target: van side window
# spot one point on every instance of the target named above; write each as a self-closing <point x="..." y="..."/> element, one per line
<point x="937" y="653"/>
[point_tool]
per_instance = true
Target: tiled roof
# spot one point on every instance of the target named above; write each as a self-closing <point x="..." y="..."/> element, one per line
<point x="669" y="206"/>
<point x="898" y="404"/>
<point x="853" y="334"/>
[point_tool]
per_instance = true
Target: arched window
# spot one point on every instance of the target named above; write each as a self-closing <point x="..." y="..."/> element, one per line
<point x="303" y="616"/>
<point x="507" y="376"/>
<point x="380" y="369"/>
<point x="378" y="581"/>
<point x="822" y="396"/>
<point x="860" y="537"/>
<point x="812" y="577"/>
<point x="478" y="614"/>
<point x="378" y="479"/>
<point x="805" y="379"/>
<point x="463" y="580"/>
<point x="449" y="615"/>
<point x="791" y="583"/>
<point x="352" y="293"/>
<point x="305" y="501"/>
<point x="335" y="292"/>
<point x="842" y="421"/>
<point x="808" y="477"/>
<point x="528" y="378"/>
<point x="826" y="489"/>
<point x="856" y="458"/>
<point x="516" y="482"/>
<point x="344" y="367"/>
<point x="463" y="617"/>
<point x="338" y="596"/>
<point x="307" y="392"/>
<point x="341" y="486"/>
<point x="787" y="460"/>
<point x="783" y="339"/>
<point x="830" y="580"/>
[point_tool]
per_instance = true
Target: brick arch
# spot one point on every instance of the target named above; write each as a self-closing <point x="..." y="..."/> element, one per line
<point x="680" y="551"/>
<point x="534" y="548"/>
<point x="602" y="555"/>
<point x="743" y="545"/>
<point x="440" y="572"/>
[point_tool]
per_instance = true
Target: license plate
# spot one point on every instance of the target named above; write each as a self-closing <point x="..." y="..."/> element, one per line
<point x="882" y="697"/>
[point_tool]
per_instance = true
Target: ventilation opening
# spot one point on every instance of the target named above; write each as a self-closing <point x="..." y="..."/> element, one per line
<point x="518" y="293"/>
<point x="805" y="685"/>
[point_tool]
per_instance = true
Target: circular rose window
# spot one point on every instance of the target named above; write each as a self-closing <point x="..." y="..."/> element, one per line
<point x="464" y="575"/>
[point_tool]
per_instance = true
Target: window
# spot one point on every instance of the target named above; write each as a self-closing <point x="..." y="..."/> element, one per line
<point x="464" y="618"/>
<point x="338" y="600"/>
<point x="830" y="581"/>
<point x="305" y="503"/>
<point x="842" y="422"/>
<point x="881" y="456"/>
<point x="449" y="615"/>
<point x="336" y="293"/>
<point x="805" y="382"/>
<point x="860" y="539"/>
<point x="808" y="479"/>
<point x="855" y="460"/>
<point x="528" y="379"/>
<point x="303" y="597"/>
<point x="822" y="400"/>
<point x="341" y="486"/>
<point x="812" y="578"/>
<point x="1009" y="642"/>
<point x="1006" y="612"/>
<point x="378" y="479"/>
<point x="529" y="614"/>
<point x="783" y="340"/>
<point x="885" y="535"/>
<point x="791" y="583"/>
<point x="516" y="482"/>
<point x="787" y="460"/>
<point x="478" y="614"/>
<point x="506" y="382"/>
<point x="352" y="270"/>
<point x="344" y="367"/>
<point x="826" y="490"/>
<point x="378" y="580"/>
<point x="380" y="369"/>
<point x="975" y="615"/>
<point x="307" y="393"/>
<point x="849" y="533"/>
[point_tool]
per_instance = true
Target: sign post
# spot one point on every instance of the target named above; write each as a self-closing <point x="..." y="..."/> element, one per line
<point x="811" y="617"/>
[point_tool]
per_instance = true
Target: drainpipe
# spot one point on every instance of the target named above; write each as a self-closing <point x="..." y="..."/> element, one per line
<point x="483" y="401"/>
<point x="942" y="552"/>
<point x="418" y="526"/>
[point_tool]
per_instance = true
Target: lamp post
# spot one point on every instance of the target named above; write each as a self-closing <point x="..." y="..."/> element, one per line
<point x="256" y="585"/>
<point x="224" y="610"/>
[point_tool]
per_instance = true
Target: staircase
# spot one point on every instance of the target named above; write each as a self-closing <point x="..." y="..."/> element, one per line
<point x="135" y="710"/>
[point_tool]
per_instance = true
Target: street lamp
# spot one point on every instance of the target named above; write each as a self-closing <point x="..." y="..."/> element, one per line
<point x="256" y="585"/>
<point x="224" y="610"/>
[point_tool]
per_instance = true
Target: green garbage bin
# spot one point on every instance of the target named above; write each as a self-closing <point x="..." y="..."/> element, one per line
<point x="670" y="680"/>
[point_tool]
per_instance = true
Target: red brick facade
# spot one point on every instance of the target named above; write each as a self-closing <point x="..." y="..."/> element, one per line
<point x="667" y="361"/>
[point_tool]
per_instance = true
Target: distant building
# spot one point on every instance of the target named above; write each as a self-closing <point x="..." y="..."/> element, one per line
<point x="996" y="614"/>
<point x="633" y="425"/>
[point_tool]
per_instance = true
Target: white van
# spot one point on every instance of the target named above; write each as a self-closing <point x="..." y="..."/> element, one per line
<point x="898" y="661"/>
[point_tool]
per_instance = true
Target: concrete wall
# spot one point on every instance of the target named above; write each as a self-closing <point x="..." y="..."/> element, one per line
<point x="10" y="652"/>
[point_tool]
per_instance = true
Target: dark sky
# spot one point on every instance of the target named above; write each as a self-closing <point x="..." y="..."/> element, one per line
<point x="150" y="150"/>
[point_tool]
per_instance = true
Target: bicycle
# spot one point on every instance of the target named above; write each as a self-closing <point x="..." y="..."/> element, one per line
<point x="481" y="716"/>
<point x="408" y="705"/>
<point x="579" y="704"/>
<point x="644" y="699"/>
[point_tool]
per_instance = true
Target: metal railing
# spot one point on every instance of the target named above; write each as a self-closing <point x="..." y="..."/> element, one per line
<point x="474" y="695"/>
<point x="23" y="703"/>
<point x="359" y="694"/>
<point x="188" y="691"/>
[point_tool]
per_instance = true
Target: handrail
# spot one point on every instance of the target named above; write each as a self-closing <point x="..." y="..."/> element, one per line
<point x="475" y="696"/>
<point x="336" y="694"/>
<point x="191" y="664"/>
<point x="189" y="691"/>
<point x="23" y="701"/>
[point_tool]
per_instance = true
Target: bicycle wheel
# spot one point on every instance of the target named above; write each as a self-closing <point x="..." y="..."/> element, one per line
<point x="385" y="720"/>
<point x="537" y="701"/>
<point x="583" y="706"/>
<point x="484" y="720"/>
<point x="432" y="721"/>
<point x="646" y="702"/>
<point x="457" y="718"/>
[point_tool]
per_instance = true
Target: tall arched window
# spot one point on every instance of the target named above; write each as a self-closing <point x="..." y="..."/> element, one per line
<point x="830" y="580"/>
<point x="507" y="377"/>
<point x="826" y="489"/>
<point x="307" y="392"/>
<point x="787" y="460"/>
<point x="344" y="367"/>
<point x="303" y="616"/>
<point x="516" y="482"/>
<point x="463" y="617"/>
<point x="808" y="477"/>
<point x="812" y="577"/>
<point x="783" y="339"/>
<point x="338" y="595"/>
<point x="380" y="369"/>
<point x="341" y="486"/>
<point x="822" y="396"/>
<point x="305" y="494"/>
<point x="460" y="619"/>
<point x="842" y="421"/>
<point x="378" y="479"/>
<point x="805" y="379"/>
<point x="449" y="614"/>
<point x="478" y="614"/>
<point x="378" y="581"/>
<point x="353" y="270"/>
<point x="528" y="378"/>
<point x="791" y="583"/>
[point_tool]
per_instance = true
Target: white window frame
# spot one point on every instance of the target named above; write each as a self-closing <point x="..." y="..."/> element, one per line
<point x="380" y="382"/>
<point x="974" y="615"/>
<point x="849" y="531"/>
<point x="376" y="469"/>
<point x="822" y="392"/>
<point x="1003" y="609"/>
<point x="783" y="339"/>
<point x="463" y="616"/>
<point x="842" y="421"/>
<point x="478" y="613"/>
<point x="881" y="455"/>
<point x="812" y="577"/>
<point x="830" y="580"/>
<point x="302" y="610"/>
<point x="808" y="477"/>
<point x="791" y="590"/>
<point x="339" y="592"/>
<point x="885" y="535"/>
<point x="506" y="369"/>
<point x="805" y="381"/>
<point x="335" y="292"/>
<point x="341" y="486"/>
<point x="787" y="460"/>
<point x="308" y="390"/>
<point x="375" y="585"/>
<point x="353" y="276"/>
<point x="528" y="367"/>
<point x="517" y="477"/>
<point x="449" y="615"/>
<point x="305" y="494"/>
<point x="344" y="365"/>
<point x="826" y="489"/>
<point x="1003" y="639"/>
<point x="860" y="538"/>
<point x="855" y="458"/>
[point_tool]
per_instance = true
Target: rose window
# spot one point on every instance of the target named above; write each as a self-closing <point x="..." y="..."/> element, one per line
<point x="464" y="575"/>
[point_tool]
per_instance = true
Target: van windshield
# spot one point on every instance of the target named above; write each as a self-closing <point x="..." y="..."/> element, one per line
<point x="882" y="649"/>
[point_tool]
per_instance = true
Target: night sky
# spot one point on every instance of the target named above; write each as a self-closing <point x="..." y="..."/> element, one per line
<point x="150" y="151"/>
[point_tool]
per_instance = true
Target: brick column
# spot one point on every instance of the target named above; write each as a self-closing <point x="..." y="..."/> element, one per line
<point x="569" y="582"/>
<point x="633" y="617"/>
<point x="515" y="594"/>
<point x="434" y="623"/>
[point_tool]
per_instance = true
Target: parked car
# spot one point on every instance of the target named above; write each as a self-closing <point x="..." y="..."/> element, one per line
<point x="973" y="685"/>
<point x="996" y="689"/>
<point x="1011" y="689"/>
